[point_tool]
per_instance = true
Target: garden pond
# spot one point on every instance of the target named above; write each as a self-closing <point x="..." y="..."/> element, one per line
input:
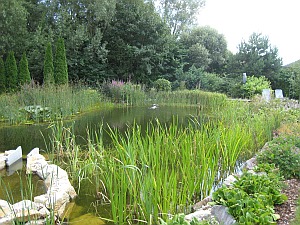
<point x="85" y="209"/>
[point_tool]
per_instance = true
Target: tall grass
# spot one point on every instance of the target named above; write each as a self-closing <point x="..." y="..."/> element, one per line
<point x="206" y="100"/>
<point x="165" y="169"/>
<point x="34" y="103"/>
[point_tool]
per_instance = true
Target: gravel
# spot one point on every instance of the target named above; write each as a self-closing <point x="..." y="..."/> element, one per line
<point x="287" y="210"/>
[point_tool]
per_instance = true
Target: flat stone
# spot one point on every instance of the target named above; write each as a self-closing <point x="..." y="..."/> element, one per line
<point x="229" y="180"/>
<point x="220" y="212"/>
<point x="202" y="203"/>
<point x="250" y="164"/>
<point x="13" y="156"/>
<point x="27" y="215"/>
<point x="200" y="214"/>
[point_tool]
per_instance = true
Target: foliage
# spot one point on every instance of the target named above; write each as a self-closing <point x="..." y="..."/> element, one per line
<point x="257" y="57"/>
<point x="206" y="49"/>
<point x="148" y="174"/>
<point x="61" y="67"/>
<point x="138" y="43"/>
<point x="48" y="66"/>
<point x="121" y="92"/>
<point x="252" y="197"/>
<point x="34" y="103"/>
<point x="162" y="85"/>
<point x="11" y="72"/>
<point x="255" y="85"/>
<point x="179" y="15"/>
<point x="13" y="30"/>
<point x="2" y="76"/>
<point x="283" y="152"/>
<point x="24" y="74"/>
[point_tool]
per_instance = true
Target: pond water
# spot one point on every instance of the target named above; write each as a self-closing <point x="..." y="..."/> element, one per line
<point x="85" y="209"/>
<point x="31" y="136"/>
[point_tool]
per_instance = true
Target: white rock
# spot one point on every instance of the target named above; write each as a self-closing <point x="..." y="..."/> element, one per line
<point x="5" y="208"/>
<point x="36" y="163"/>
<point x="2" y="161"/>
<point x="56" y="200"/>
<point x="199" y="214"/>
<point x="13" y="156"/>
<point x="35" y="151"/>
<point x="6" y="220"/>
<point x="229" y="180"/>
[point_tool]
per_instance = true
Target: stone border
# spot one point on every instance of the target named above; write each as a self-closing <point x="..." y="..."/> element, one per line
<point x="59" y="193"/>
<point x="203" y="209"/>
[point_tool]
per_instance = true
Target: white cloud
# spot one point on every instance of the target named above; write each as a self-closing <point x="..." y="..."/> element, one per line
<point x="238" y="19"/>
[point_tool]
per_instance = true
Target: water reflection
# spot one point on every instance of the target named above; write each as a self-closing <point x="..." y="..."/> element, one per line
<point x="31" y="136"/>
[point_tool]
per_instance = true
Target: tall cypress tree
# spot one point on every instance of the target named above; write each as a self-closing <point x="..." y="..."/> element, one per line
<point x="60" y="67"/>
<point x="24" y="74"/>
<point x="48" y="66"/>
<point x="2" y="76"/>
<point x="11" y="72"/>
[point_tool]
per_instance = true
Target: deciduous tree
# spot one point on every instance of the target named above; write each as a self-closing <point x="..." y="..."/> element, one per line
<point x="179" y="14"/>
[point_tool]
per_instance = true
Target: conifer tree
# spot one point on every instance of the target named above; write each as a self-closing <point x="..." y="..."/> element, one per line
<point x="60" y="66"/>
<point x="48" y="66"/>
<point x="11" y="72"/>
<point x="24" y="74"/>
<point x="2" y="76"/>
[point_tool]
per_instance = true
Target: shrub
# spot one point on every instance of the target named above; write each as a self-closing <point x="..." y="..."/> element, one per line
<point x="24" y="74"/>
<point x="2" y="76"/>
<point x="283" y="153"/>
<point x="61" y="68"/>
<point x="162" y="85"/>
<point x="48" y="66"/>
<point x="11" y="71"/>
<point x="255" y="85"/>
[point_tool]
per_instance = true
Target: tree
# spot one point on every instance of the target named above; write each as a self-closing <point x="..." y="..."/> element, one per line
<point x="178" y="14"/>
<point x="11" y="71"/>
<point x="48" y="66"/>
<point x="257" y="57"/>
<point x="13" y="30"/>
<point x="61" y="67"/>
<point x="205" y="48"/>
<point x="2" y="76"/>
<point x="24" y="74"/>
<point x="137" y="41"/>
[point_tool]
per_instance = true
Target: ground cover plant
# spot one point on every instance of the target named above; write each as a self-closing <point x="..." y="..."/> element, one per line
<point x="252" y="197"/>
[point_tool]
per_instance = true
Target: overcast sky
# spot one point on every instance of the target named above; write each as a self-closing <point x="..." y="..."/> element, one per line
<point x="237" y="19"/>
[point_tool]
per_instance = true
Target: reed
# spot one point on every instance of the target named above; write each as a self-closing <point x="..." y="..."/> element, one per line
<point x="34" y="103"/>
<point x="163" y="170"/>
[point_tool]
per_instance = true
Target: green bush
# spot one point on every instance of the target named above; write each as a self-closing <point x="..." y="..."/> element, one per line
<point x="2" y="76"/>
<point x="282" y="152"/>
<point x="24" y="74"/>
<point x="252" y="197"/>
<point x="60" y="68"/>
<point x="48" y="66"/>
<point x="255" y="85"/>
<point x="162" y="85"/>
<point x="11" y="71"/>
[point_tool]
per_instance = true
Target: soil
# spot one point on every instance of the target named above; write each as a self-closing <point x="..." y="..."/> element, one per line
<point x="287" y="210"/>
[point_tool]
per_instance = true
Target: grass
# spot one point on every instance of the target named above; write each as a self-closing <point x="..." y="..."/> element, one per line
<point x="34" y="103"/>
<point x="163" y="170"/>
